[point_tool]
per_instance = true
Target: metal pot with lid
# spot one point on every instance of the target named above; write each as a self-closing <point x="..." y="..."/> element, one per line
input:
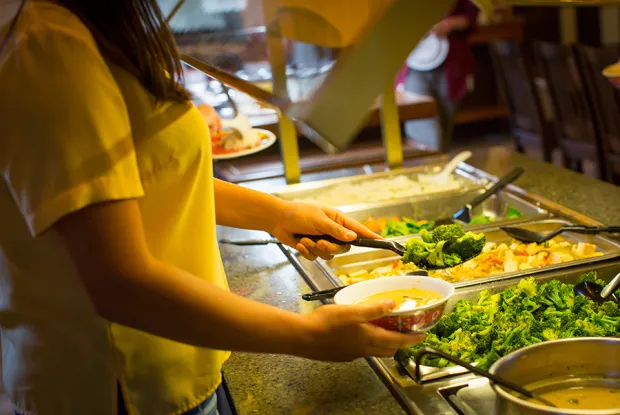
<point x="582" y="364"/>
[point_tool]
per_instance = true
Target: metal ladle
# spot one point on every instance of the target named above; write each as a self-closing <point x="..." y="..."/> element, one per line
<point x="497" y="379"/>
<point x="598" y="294"/>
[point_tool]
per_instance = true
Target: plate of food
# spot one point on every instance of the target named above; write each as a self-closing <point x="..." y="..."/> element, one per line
<point x="612" y="73"/>
<point x="231" y="144"/>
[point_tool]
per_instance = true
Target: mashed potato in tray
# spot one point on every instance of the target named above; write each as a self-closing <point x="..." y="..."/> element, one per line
<point x="378" y="190"/>
<point x="495" y="259"/>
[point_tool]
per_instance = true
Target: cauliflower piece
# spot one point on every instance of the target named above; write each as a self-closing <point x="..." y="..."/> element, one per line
<point x="555" y="258"/>
<point x="560" y="257"/>
<point x="489" y="246"/>
<point x="509" y="255"/>
<point x="511" y="266"/>
<point x="585" y="249"/>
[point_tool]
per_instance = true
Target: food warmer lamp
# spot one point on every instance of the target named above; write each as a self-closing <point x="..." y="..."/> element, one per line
<point x="375" y="41"/>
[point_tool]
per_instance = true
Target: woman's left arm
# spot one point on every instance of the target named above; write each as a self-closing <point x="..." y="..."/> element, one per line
<point x="239" y="207"/>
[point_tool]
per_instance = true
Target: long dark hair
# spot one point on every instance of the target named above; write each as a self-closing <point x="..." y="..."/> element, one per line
<point x="134" y="35"/>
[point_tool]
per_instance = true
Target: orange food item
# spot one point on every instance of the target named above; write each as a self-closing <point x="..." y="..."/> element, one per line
<point x="377" y="225"/>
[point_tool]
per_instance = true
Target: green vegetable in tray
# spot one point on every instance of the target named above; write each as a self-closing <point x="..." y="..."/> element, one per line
<point x="481" y="220"/>
<point x="405" y="226"/>
<point x="512" y="213"/>
<point x="447" y="246"/>
<point x="493" y="325"/>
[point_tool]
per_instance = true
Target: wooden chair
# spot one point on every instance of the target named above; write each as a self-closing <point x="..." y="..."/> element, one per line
<point x="573" y="115"/>
<point x="605" y="100"/>
<point x="529" y="124"/>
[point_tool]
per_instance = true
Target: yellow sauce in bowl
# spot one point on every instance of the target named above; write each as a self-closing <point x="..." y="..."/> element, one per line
<point x="405" y="299"/>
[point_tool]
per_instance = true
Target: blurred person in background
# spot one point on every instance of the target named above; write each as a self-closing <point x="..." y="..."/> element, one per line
<point x="113" y="294"/>
<point x="448" y="83"/>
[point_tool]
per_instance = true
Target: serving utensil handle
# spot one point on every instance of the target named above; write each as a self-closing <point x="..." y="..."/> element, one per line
<point x="430" y="351"/>
<point x="250" y="242"/>
<point x="611" y="288"/>
<point x="362" y="242"/>
<point x="591" y="229"/>
<point x="513" y="175"/>
<point x="321" y="295"/>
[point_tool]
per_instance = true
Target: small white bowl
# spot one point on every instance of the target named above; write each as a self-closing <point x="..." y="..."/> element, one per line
<point x="415" y="320"/>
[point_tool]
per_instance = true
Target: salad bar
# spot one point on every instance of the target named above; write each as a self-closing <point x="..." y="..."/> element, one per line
<point x="479" y="325"/>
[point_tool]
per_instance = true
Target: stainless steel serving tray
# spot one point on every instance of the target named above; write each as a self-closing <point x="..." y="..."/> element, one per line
<point x="367" y="259"/>
<point x="472" y="179"/>
<point x="446" y="205"/>
<point x="443" y="389"/>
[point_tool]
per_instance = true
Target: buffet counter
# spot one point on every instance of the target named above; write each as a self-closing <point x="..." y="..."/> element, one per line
<point x="270" y="384"/>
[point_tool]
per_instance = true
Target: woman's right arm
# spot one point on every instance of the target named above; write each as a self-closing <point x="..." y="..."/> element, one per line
<point x="128" y="286"/>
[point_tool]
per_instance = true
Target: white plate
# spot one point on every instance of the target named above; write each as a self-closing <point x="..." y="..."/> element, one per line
<point x="430" y="53"/>
<point x="264" y="144"/>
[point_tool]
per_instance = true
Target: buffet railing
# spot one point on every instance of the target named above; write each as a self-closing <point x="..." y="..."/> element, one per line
<point x="450" y="390"/>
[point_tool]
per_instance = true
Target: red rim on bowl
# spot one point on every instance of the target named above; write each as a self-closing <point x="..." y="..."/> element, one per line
<point x="418" y="319"/>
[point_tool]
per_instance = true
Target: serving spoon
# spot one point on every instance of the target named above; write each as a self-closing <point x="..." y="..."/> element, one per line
<point x="598" y="294"/>
<point x="464" y="216"/>
<point x="527" y="236"/>
<point x="495" y="378"/>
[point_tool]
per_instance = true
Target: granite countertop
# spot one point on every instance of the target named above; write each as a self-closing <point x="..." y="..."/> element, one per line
<point x="273" y="384"/>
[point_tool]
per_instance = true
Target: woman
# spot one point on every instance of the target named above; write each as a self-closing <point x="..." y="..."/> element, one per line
<point x="447" y="84"/>
<point x="110" y="274"/>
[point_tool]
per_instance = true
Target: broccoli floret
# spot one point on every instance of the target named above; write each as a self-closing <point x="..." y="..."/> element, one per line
<point x="448" y="324"/>
<point x="488" y="359"/>
<point x="588" y="328"/>
<point x="550" y="334"/>
<point x="468" y="246"/>
<point x="528" y="286"/>
<point x="530" y="304"/>
<point x="417" y="251"/>
<point x="426" y="236"/>
<point x="448" y="233"/>
<point x="591" y="276"/>
<point x="452" y="260"/>
<point x="443" y="248"/>
<point x="557" y="294"/>
<point x="427" y="254"/>
<point x="610" y="308"/>
<point x="435" y="259"/>
<point x="608" y="323"/>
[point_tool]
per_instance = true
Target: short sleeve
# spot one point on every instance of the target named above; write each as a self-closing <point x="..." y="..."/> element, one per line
<point x="66" y="138"/>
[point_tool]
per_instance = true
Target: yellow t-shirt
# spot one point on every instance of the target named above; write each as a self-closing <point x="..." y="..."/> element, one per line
<point x="76" y="130"/>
